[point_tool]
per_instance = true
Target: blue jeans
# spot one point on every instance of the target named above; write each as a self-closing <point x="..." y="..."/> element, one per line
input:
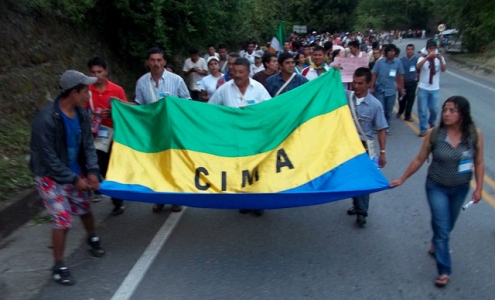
<point x="428" y="100"/>
<point x="388" y="103"/>
<point x="445" y="206"/>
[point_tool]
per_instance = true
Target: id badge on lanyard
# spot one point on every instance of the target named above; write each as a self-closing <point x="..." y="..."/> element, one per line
<point x="103" y="132"/>
<point x="466" y="163"/>
<point x="392" y="72"/>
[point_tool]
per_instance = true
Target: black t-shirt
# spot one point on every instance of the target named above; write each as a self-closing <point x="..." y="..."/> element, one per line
<point x="261" y="77"/>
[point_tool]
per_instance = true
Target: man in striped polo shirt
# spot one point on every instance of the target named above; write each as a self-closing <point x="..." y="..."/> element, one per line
<point x="157" y="84"/>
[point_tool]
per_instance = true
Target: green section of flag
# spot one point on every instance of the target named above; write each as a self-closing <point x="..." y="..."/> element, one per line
<point x="280" y="34"/>
<point x="175" y="123"/>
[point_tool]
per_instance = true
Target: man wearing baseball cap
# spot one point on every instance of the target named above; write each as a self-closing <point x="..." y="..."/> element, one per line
<point x="258" y="63"/>
<point x="65" y="165"/>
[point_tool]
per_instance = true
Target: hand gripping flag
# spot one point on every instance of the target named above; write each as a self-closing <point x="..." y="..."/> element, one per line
<point x="300" y="148"/>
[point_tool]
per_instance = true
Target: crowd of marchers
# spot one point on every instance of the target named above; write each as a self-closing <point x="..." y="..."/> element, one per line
<point x="72" y="136"/>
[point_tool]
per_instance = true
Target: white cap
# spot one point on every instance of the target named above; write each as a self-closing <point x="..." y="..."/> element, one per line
<point x="211" y="58"/>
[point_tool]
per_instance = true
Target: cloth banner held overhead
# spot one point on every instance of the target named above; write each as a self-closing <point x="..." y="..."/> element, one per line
<point x="350" y="64"/>
<point x="300" y="148"/>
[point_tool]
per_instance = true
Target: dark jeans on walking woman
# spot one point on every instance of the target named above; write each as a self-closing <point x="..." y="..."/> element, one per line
<point x="103" y="161"/>
<point x="445" y="206"/>
<point x="406" y="104"/>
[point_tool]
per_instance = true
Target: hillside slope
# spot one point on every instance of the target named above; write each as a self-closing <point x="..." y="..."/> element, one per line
<point x="34" y="51"/>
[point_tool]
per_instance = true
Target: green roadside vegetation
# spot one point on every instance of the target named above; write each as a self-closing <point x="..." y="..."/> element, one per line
<point x="41" y="38"/>
<point x="14" y="141"/>
<point x="485" y="59"/>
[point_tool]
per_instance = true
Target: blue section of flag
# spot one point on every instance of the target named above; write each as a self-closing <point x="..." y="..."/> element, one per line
<point x="355" y="177"/>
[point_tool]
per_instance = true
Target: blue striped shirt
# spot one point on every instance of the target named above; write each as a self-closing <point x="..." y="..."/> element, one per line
<point x="169" y="84"/>
<point x="409" y="67"/>
<point x="386" y="75"/>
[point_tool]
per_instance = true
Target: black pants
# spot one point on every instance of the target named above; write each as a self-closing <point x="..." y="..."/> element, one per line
<point x="103" y="160"/>
<point x="407" y="102"/>
<point x="195" y="95"/>
<point x="361" y="203"/>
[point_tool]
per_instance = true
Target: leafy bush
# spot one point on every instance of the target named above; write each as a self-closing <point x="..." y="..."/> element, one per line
<point x="74" y="10"/>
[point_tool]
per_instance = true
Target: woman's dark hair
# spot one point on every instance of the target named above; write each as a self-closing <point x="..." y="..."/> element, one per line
<point x="464" y="109"/>
<point x="296" y="58"/>
<point x="335" y="53"/>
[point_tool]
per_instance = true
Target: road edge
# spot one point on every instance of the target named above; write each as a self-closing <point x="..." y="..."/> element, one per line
<point x="18" y="211"/>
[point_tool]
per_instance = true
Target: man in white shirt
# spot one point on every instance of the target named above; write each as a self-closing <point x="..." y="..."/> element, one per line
<point x="240" y="92"/>
<point x="249" y="54"/>
<point x="355" y="50"/>
<point x="211" y="52"/>
<point x="286" y="49"/>
<point x="223" y="58"/>
<point x="429" y="67"/>
<point x="195" y="69"/>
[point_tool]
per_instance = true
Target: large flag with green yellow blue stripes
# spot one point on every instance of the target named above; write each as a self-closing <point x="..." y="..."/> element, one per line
<point x="300" y="148"/>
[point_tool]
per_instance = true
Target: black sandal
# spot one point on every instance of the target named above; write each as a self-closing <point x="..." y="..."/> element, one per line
<point x="442" y="280"/>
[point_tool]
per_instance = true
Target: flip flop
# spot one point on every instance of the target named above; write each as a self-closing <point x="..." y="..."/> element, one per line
<point x="442" y="280"/>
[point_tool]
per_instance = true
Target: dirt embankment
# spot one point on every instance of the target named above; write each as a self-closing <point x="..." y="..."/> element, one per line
<point x="34" y="51"/>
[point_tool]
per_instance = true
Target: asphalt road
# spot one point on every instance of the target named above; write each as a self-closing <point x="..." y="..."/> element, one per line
<point x="305" y="253"/>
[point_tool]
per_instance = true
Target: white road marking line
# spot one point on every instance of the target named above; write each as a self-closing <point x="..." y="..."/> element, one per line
<point x="471" y="81"/>
<point x="137" y="273"/>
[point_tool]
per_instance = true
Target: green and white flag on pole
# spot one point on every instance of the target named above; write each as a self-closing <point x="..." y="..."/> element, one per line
<point x="277" y="43"/>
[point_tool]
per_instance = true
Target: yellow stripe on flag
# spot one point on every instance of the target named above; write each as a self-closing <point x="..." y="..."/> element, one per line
<point x="317" y="146"/>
